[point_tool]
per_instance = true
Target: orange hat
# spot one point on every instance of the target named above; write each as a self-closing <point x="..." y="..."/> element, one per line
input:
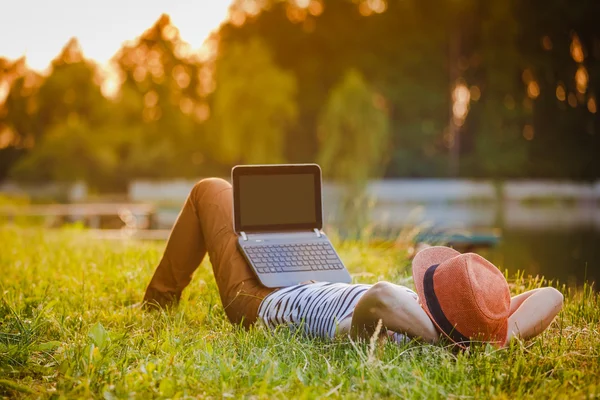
<point x="465" y="295"/>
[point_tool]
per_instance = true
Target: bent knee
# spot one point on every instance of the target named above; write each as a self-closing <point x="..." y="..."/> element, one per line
<point x="382" y="296"/>
<point x="388" y="297"/>
<point x="380" y="290"/>
<point x="209" y="185"/>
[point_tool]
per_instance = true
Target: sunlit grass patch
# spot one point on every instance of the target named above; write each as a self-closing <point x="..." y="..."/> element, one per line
<point x="67" y="329"/>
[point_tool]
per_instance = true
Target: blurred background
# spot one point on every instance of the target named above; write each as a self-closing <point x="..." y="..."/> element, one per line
<point x="468" y="122"/>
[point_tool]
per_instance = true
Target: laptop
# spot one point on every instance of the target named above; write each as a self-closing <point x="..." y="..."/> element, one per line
<point x="278" y="216"/>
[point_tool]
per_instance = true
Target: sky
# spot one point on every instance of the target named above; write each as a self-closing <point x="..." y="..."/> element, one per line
<point x="39" y="29"/>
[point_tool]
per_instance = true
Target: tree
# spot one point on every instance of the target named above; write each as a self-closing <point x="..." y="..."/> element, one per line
<point x="513" y="55"/>
<point x="70" y="151"/>
<point x="17" y="108"/>
<point x="61" y="119"/>
<point x="560" y="52"/>
<point x="528" y="74"/>
<point x="253" y="104"/>
<point x="400" y="49"/>
<point x="495" y="146"/>
<point x="353" y="132"/>
<point x="354" y="137"/>
<point x="71" y="89"/>
<point x="161" y="106"/>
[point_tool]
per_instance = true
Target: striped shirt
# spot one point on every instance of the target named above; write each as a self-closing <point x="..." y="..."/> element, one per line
<point x="316" y="309"/>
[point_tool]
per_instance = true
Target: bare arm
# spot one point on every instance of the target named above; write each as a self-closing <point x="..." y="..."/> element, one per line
<point x="397" y="309"/>
<point x="532" y="312"/>
<point x="517" y="300"/>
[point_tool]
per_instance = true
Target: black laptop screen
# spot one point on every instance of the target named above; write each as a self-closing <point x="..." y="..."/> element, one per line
<point x="278" y="201"/>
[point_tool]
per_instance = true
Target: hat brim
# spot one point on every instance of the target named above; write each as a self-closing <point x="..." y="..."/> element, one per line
<point x="421" y="262"/>
<point x="426" y="258"/>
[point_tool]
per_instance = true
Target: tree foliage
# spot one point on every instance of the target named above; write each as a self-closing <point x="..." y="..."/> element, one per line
<point x="252" y="106"/>
<point x="278" y="90"/>
<point x="353" y="132"/>
<point x="60" y="122"/>
<point x="161" y="105"/>
<point x="417" y="53"/>
<point x="69" y="152"/>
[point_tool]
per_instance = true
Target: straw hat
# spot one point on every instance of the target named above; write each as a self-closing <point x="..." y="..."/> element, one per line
<point x="465" y="295"/>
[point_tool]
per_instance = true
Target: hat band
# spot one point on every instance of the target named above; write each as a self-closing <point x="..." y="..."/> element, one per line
<point x="435" y="309"/>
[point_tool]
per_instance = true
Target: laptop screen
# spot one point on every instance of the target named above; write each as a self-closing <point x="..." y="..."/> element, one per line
<point x="273" y="198"/>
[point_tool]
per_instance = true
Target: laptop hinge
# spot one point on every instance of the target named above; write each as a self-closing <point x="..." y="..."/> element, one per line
<point x="318" y="232"/>
<point x="244" y="236"/>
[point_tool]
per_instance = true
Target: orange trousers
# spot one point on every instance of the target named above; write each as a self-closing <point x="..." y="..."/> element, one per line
<point x="205" y="224"/>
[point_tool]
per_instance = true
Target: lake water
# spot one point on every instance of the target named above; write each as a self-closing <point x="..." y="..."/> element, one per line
<point x="559" y="240"/>
<point x="572" y="256"/>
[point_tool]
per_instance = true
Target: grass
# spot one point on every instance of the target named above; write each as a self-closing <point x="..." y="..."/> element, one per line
<point x="66" y="332"/>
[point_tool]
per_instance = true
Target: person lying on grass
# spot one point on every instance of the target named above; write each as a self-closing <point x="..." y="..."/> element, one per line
<point x="462" y="297"/>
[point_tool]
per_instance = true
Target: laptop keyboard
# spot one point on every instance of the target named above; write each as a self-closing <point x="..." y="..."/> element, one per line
<point x="293" y="257"/>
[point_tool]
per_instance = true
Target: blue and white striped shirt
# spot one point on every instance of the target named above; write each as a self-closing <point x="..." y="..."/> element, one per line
<point x="315" y="308"/>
